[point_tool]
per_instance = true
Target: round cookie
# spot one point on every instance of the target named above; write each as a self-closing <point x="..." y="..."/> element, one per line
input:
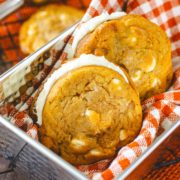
<point x="136" y="43"/>
<point x="47" y="23"/>
<point x="89" y="110"/>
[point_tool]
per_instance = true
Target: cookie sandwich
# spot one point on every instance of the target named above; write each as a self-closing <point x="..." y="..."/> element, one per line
<point x="87" y="110"/>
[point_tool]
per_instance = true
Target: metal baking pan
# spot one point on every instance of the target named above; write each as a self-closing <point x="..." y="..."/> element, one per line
<point x="21" y="157"/>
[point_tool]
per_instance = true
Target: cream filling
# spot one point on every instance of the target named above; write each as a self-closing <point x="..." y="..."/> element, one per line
<point x="83" y="60"/>
<point x="89" y="26"/>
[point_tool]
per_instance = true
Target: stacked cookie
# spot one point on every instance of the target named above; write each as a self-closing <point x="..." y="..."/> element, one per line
<point x="90" y="106"/>
<point x="47" y="23"/>
<point x="135" y="43"/>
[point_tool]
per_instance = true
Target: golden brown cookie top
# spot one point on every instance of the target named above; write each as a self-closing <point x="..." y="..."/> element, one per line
<point x="140" y="45"/>
<point x="89" y="113"/>
<point x="83" y="60"/>
<point x="47" y="23"/>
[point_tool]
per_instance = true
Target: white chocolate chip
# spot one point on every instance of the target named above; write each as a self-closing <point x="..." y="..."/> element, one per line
<point x="133" y="39"/>
<point x="156" y="82"/>
<point x="116" y="81"/>
<point x="115" y="84"/>
<point x="95" y="152"/>
<point x="63" y="17"/>
<point x="123" y="135"/>
<point x="92" y="115"/>
<point x="152" y="66"/>
<point x="31" y="31"/>
<point x="78" y="143"/>
<point x="136" y="76"/>
<point x="79" y="146"/>
<point x="88" y="112"/>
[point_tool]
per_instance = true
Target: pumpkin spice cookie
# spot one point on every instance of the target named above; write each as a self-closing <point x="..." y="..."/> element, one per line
<point x="133" y="42"/>
<point x="88" y="109"/>
<point x="47" y="23"/>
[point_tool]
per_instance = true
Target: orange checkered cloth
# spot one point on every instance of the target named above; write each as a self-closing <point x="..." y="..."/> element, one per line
<point x="160" y="111"/>
<point x="10" y="52"/>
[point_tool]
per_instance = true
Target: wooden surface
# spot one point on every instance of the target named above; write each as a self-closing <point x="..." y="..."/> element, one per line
<point x="163" y="162"/>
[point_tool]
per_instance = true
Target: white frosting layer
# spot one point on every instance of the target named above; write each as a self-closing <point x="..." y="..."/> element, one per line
<point x="89" y="26"/>
<point x="83" y="60"/>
